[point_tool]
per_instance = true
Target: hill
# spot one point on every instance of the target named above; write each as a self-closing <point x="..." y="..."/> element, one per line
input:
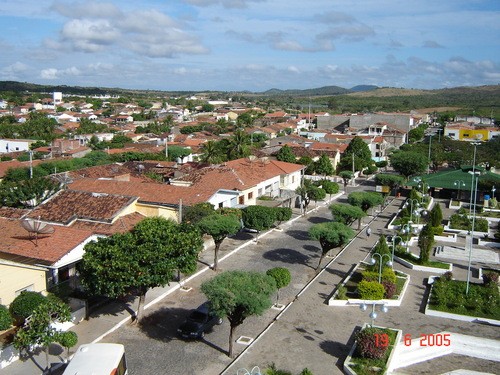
<point x="321" y="91"/>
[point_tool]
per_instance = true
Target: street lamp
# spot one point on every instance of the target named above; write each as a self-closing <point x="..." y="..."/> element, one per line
<point x="429" y="157"/>
<point x="493" y="192"/>
<point x="381" y="257"/>
<point x="406" y="228"/>
<point x="373" y="315"/>
<point x="471" y="234"/>
<point x="394" y="248"/>
<point x="460" y="184"/>
<point x="411" y="206"/>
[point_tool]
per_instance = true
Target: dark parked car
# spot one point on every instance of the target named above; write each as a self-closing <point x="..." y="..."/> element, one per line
<point x="198" y="322"/>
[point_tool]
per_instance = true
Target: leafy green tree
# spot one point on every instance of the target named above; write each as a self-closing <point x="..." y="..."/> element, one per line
<point x="416" y="134"/>
<point x="258" y="217"/>
<point x="28" y="193"/>
<point x="409" y="163"/>
<point x="207" y="107"/>
<point x="245" y="119"/>
<point x="347" y="213"/>
<point x="285" y="154"/>
<point x="238" y="295"/>
<point x="5" y="318"/>
<point x="381" y="247"/>
<point x="176" y="152"/>
<point x="365" y="199"/>
<point x="346" y="177"/>
<point x="330" y="235"/>
<point x="324" y="166"/>
<point x="425" y="243"/>
<point x="309" y="163"/>
<point x="67" y="340"/>
<point x="219" y="227"/>
<point x="212" y="153"/>
<point x="391" y="180"/>
<point x="24" y="304"/>
<point x="283" y="214"/>
<point x="281" y="276"/>
<point x="38" y="329"/>
<point x="238" y="145"/>
<point x="358" y="151"/>
<point x="436" y="216"/>
<point x="316" y="194"/>
<point x="329" y="187"/>
<point x="139" y="260"/>
<point x="193" y="214"/>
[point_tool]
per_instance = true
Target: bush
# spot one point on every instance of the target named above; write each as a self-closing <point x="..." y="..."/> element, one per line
<point x="369" y="275"/>
<point x="388" y="275"/>
<point x="490" y="277"/>
<point x="448" y="275"/>
<point x="24" y="305"/>
<point x="5" y="318"/>
<point x="370" y="290"/>
<point x="370" y="170"/>
<point x="390" y="289"/>
<point x="437" y="231"/>
<point x="366" y="344"/>
<point x="342" y="292"/>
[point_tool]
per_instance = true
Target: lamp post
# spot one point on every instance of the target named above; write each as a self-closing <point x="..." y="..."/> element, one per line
<point x="429" y="157"/>
<point x="381" y="257"/>
<point x="493" y="192"/>
<point x="471" y="236"/>
<point x="407" y="229"/>
<point x="411" y="206"/>
<point x="460" y="184"/>
<point x="475" y="144"/>
<point x="394" y="248"/>
<point x="373" y="315"/>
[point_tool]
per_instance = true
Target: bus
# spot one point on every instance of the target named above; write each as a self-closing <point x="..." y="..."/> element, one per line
<point x="98" y="359"/>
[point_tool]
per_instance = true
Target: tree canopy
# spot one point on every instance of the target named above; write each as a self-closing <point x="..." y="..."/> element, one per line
<point x="365" y="199"/>
<point x="346" y="213"/>
<point x="286" y="154"/>
<point x="238" y="295"/>
<point x="360" y="152"/>
<point x="139" y="260"/>
<point x="330" y="235"/>
<point x="409" y="163"/>
<point x="324" y="166"/>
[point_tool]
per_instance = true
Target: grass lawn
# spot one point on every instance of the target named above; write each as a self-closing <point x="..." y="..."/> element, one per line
<point x="366" y="366"/>
<point x="481" y="301"/>
<point x="431" y="263"/>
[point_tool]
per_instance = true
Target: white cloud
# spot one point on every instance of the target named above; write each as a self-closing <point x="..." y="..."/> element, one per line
<point x="225" y="3"/>
<point x="53" y="73"/>
<point x="14" y="71"/>
<point x="432" y="44"/>
<point x="293" y="69"/>
<point x="87" y="9"/>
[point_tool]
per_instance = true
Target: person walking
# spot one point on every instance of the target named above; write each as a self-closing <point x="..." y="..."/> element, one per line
<point x="368" y="232"/>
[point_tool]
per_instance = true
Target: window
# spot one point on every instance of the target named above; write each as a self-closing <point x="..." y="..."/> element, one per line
<point x="221" y="205"/>
<point x="293" y="179"/>
<point x="241" y="199"/>
<point x="466" y="135"/>
<point x="250" y="195"/>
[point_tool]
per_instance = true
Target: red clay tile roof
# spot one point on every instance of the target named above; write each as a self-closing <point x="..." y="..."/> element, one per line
<point x="5" y="165"/>
<point x="121" y="225"/>
<point x="68" y="206"/>
<point x="12" y="213"/>
<point x="50" y="247"/>
<point x="100" y="171"/>
<point x="146" y="192"/>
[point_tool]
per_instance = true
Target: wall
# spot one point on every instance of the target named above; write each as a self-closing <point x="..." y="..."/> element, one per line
<point x="15" y="276"/>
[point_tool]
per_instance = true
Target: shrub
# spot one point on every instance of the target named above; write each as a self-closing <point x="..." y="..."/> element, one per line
<point x="481" y="225"/>
<point x="24" y="305"/>
<point x="371" y="290"/>
<point x="5" y="318"/>
<point x="448" y="275"/>
<point x="369" y="275"/>
<point x="283" y="213"/>
<point x="490" y="277"/>
<point x="437" y="231"/>
<point x="390" y="289"/>
<point x="342" y="292"/>
<point x="306" y="371"/>
<point x="388" y="275"/>
<point x="366" y="344"/>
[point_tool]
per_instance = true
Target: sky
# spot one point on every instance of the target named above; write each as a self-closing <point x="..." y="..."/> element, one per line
<point x="254" y="45"/>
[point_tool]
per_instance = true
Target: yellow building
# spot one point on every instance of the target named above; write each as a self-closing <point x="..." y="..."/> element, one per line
<point x="17" y="277"/>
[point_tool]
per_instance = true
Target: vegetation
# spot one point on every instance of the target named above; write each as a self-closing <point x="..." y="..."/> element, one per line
<point x="281" y="276"/>
<point x="425" y="243"/>
<point x="286" y="154"/>
<point x="482" y="300"/>
<point x="346" y="213"/>
<point x="463" y="222"/>
<point x="391" y="180"/>
<point x="238" y="295"/>
<point x="67" y="340"/>
<point x="24" y="304"/>
<point x="136" y="261"/>
<point x="365" y="199"/>
<point x="258" y="217"/>
<point x="193" y="214"/>
<point x="409" y="163"/>
<point x="5" y="318"/>
<point x="330" y="235"/>
<point x="272" y="370"/>
<point x="324" y="166"/>
<point x="370" y="290"/>
<point x="329" y="187"/>
<point x="357" y="152"/>
<point x="219" y="227"/>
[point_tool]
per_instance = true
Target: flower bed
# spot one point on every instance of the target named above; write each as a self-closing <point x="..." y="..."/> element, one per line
<point x="356" y="364"/>
<point x="412" y="261"/>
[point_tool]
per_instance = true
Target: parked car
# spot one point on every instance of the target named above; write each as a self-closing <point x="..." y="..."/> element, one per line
<point x="198" y="322"/>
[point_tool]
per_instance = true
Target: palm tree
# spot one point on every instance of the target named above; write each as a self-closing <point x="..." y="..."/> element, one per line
<point x="239" y="145"/>
<point x="211" y="152"/>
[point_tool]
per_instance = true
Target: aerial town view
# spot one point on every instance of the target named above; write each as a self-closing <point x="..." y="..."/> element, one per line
<point x="249" y="187"/>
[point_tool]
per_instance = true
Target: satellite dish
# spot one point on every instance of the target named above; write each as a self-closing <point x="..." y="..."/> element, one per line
<point x="36" y="227"/>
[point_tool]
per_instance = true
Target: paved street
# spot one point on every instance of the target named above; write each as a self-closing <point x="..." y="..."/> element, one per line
<point x="309" y="333"/>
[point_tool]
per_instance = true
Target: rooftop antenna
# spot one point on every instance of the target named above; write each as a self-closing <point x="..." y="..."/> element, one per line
<point x="36" y="227"/>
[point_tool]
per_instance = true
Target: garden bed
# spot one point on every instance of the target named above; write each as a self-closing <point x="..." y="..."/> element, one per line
<point x="411" y="260"/>
<point x="448" y="299"/>
<point x="354" y="364"/>
<point x="354" y="277"/>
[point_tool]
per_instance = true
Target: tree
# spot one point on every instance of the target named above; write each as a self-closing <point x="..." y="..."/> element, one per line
<point x="346" y="177"/>
<point x="391" y="180"/>
<point x="28" y="193"/>
<point x="330" y="235"/>
<point x="425" y="243"/>
<point x="24" y="304"/>
<point x="145" y="258"/>
<point x="365" y="199"/>
<point x="329" y="187"/>
<point x="281" y="276"/>
<point x="357" y="151"/>
<point x="381" y="247"/>
<point x="193" y="214"/>
<point x="285" y="154"/>
<point x="219" y="227"/>
<point x="283" y="214"/>
<point x="212" y="153"/>
<point x="38" y="329"/>
<point x="67" y="340"/>
<point x="258" y="217"/>
<point x="5" y="318"/>
<point x="436" y="216"/>
<point x="409" y="163"/>
<point x="316" y="194"/>
<point x="324" y="166"/>
<point x="346" y="213"/>
<point x="238" y="295"/>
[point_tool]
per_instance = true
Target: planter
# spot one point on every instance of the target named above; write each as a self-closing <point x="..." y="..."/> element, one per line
<point x="349" y="364"/>
<point x="454" y="205"/>
<point x="418" y="267"/>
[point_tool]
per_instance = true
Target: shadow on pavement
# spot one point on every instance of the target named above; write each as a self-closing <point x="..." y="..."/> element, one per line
<point x="287" y="256"/>
<point x="317" y="220"/>
<point x="162" y="324"/>
<point x="298" y="234"/>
